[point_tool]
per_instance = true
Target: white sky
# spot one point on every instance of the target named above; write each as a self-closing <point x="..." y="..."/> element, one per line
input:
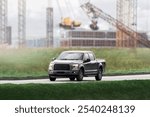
<point x="36" y="14"/>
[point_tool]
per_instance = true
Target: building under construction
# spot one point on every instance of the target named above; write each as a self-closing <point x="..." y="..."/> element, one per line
<point x="83" y="38"/>
<point x="126" y="34"/>
<point x="89" y="39"/>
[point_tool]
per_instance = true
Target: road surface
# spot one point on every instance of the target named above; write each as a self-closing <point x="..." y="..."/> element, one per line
<point x="66" y="80"/>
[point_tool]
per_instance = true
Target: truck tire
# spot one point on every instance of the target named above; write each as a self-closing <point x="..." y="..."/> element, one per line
<point x="72" y="78"/>
<point x="80" y="75"/>
<point x="52" y="78"/>
<point x="98" y="77"/>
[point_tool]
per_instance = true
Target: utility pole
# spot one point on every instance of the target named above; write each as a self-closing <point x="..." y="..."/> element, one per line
<point x="22" y="23"/>
<point x="3" y="21"/>
<point x="50" y="24"/>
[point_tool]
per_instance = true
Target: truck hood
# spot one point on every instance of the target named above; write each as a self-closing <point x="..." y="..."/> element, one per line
<point x="67" y="61"/>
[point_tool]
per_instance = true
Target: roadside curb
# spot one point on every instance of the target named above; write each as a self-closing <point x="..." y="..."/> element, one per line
<point x="23" y="78"/>
<point x="46" y="77"/>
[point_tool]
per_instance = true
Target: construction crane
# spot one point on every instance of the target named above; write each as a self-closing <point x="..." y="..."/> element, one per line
<point x="67" y="22"/>
<point x="93" y="18"/>
<point x="92" y="11"/>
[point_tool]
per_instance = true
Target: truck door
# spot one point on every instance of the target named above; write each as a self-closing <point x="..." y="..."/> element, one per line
<point x="93" y="64"/>
<point x="87" y="64"/>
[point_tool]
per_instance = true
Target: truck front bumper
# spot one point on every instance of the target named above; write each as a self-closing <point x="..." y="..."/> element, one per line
<point x="59" y="73"/>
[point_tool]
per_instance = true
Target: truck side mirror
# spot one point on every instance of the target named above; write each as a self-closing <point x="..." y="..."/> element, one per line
<point x="87" y="60"/>
<point x="53" y="59"/>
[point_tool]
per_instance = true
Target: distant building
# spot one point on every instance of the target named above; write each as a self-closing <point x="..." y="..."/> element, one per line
<point x="81" y="38"/>
<point x="36" y="43"/>
<point x="9" y="35"/>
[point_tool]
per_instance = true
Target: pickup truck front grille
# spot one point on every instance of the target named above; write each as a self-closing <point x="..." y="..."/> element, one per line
<point x="61" y="67"/>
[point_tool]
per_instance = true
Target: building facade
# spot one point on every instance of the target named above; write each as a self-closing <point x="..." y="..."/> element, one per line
<point x="89" y="39"/>
<point x="83" y="38"/>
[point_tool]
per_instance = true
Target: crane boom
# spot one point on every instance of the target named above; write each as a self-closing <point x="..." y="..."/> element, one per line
<point x="93" y="11"/>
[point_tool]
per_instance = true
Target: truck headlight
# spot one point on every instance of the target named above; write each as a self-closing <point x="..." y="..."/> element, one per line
<point x="75" y="66"/>
<point x="51" y="66"/>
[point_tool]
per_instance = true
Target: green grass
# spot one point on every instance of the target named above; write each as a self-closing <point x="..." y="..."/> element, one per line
<point x="34" y="62"/>
<point x="117" y="90"/>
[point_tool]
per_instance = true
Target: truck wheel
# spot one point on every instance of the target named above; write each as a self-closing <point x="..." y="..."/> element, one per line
<point x="72" y="78"/>
<point x="52" y="78"/>
<point x="80" y="75"/>
<point x="98" y="77"/>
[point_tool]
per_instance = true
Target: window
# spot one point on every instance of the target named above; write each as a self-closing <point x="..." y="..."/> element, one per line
<point x="86" y="56"/>
<point x="71" y="56"/>
<point x="92" y="58"/>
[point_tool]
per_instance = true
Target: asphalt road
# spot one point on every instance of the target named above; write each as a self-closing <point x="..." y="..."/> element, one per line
<point x="66" y="80"/>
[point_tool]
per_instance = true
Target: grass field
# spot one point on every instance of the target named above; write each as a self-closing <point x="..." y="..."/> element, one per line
<point x="117" y="90"/>
<point x="34" y="62"/>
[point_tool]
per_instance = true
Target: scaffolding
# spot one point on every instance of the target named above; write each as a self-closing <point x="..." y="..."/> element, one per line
<point x="126" y="14"/>
<point x="22" y="22"/>
<point x="49" y="26"/>
<point x="3" y="21"/>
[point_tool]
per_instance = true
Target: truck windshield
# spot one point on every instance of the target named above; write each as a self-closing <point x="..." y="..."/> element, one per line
<point x="71" y="56"/>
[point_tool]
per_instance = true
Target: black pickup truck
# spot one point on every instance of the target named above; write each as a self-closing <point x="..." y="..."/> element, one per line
<point x="76" y="65"/>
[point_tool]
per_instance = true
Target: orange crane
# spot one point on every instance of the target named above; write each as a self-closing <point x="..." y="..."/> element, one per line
<point x="135" y="37"/>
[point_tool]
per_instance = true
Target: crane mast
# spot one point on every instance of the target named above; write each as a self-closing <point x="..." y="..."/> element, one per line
<point x="22" y="22"/>
<point x="93" y="11"/>
<point x="50" y="24"/>
<point x="3" y="21"/>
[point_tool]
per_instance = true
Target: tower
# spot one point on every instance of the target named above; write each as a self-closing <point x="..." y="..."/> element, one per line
<point x="127" y="14"/>
<point x="3" y="21"/>
<point x="22" y="22"/>
<point x="49" y="25"/>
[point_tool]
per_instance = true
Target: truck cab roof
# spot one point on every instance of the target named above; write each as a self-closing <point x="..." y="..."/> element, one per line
<point x="79" y="51"/>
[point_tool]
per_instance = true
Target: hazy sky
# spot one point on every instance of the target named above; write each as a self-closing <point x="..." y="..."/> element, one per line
<point x="36" y="14"/>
